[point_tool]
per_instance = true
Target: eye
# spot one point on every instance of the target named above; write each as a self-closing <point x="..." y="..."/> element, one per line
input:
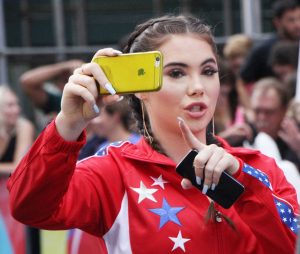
<point x="209" y="71"/>
<point x="176" y="73"/>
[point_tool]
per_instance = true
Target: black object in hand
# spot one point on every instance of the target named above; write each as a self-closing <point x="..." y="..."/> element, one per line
<point x="226" y="192"/>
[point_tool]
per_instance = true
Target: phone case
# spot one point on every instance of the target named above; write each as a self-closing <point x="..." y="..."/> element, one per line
<point x="134" y="72"/>
<point x="226" y="192"/>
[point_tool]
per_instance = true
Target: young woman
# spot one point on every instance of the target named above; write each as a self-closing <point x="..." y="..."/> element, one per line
<point x="132" y="197"/>
<point x="16" y="137"/>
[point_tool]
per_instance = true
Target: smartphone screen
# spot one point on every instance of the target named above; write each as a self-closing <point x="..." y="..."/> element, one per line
<point x="226" y="192"/>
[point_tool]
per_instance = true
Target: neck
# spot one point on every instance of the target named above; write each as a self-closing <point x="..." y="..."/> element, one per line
<point x="174" y="144"/>
<point x="118" y="134"/>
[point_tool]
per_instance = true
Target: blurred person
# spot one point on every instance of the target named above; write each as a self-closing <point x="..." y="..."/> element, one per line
<point x="94" y="138"/>
<point x="286" y="19"/>
<point x="235" y="51"/>
<point x="16" y="132"/>
<point x="115" y="123"/>
<point x="276" y="135"/>
<point x="16" y="137"/>
<point x="270" y="102"/>
<point x="294" y="112"/>
<point x="43" y="86"/>
<point x="284" y="59"/>
<point x="229" y="118"/>
<point x="131" y="198"/>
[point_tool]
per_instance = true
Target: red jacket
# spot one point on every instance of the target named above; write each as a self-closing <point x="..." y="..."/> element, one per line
<point x="133" y="199"/>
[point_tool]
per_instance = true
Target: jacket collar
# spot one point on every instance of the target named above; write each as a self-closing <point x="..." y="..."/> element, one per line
<point x="143" y="152"/>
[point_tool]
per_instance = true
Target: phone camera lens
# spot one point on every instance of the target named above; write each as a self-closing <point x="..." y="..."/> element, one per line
<point x="157" y="59"/>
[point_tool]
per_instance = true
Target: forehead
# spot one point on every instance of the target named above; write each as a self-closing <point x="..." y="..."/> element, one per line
<point x="266" y="98"/>
<point x="291" y="13"/>
<point x="186" y="47"/>
<point x="8" y="96"/>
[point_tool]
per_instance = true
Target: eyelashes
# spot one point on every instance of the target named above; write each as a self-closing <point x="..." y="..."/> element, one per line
<point x="210" y="71"/>
<point x="179" y="73"/>
<point x="176" y="73"/>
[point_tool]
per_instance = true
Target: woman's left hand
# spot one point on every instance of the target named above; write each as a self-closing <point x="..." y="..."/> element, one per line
<point x="210" y="162"/>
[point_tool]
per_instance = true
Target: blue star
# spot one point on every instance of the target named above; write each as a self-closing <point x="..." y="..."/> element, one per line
<point x="167" y="213"/>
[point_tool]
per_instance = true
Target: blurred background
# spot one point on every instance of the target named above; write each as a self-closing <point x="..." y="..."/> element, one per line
<point x="36" y="33"/>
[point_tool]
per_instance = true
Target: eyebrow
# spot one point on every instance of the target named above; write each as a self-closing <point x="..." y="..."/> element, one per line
<point x="209" y="60"/>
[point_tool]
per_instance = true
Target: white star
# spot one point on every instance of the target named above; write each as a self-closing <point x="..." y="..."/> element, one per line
<point x="144" y="192"/>
<point x="159" y="181"/>
<point x="284" y="219"/>
<point x="179" y="241"/>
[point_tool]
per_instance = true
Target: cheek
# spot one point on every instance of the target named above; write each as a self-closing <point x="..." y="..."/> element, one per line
<point x="170" y="94"/>
<point x="213" y="93"/>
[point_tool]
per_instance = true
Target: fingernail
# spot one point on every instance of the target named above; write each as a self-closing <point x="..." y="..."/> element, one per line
<point x="198" y="180"/>
<point x="96" y="109"/>
<point x="184" y="185"/>
<point x="120" y="98"/>
<point x="118" y="51"/>
<point x="180" y="119"/>
<point x="205" y="188"/>
<point x="109" y="88"/>
<point x="213" y="186"/>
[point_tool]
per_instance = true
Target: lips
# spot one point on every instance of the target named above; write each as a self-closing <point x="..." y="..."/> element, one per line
<point x="196" y="110"/>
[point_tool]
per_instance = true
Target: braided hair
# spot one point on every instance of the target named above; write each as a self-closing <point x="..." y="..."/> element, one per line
<point x="149" y="36"/>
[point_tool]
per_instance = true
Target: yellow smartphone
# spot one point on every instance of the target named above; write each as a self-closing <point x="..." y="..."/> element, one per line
<point x="133" y="72"/>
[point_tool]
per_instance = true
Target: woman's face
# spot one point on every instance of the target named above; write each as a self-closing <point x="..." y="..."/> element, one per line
<point x="11" y="108"/>
<point x="190" y="85"/>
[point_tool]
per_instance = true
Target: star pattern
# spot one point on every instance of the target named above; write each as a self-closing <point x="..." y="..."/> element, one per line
<point x="179" y="241"/>
<point x="257" y="174"/>
<point x="144" y="192"/>
<point x="159" y="181"/>
<point x="287" y="215"/>
<point x="104" y="150"/>
<point x="167" y="213"/>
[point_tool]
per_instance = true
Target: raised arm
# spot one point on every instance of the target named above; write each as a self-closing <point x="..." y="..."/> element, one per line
<point x="45" y="184"/>
<point x="33" y="80"/>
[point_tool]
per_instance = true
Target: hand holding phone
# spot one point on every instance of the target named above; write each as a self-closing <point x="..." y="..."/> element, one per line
<point x="132" y="73"/>
<point x="226" y="192"/>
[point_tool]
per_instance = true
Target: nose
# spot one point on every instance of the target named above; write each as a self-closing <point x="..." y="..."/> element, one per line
<point x="195" y="87"/>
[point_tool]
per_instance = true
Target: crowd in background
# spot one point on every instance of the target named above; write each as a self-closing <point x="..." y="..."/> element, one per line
<point x="256" y="108"/>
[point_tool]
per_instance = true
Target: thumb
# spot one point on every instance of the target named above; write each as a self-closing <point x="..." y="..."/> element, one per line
<point x="188" y="136"/>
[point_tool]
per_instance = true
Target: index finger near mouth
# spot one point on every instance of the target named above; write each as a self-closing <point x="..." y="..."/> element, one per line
<point x="189" y="137"/>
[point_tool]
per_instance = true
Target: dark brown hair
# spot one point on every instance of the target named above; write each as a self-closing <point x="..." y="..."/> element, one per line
<point x="123" y="110"/>
<point x="149" y="36"/>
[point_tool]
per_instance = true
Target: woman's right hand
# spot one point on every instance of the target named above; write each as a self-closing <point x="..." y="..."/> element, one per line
<point x="81" y="100"/>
